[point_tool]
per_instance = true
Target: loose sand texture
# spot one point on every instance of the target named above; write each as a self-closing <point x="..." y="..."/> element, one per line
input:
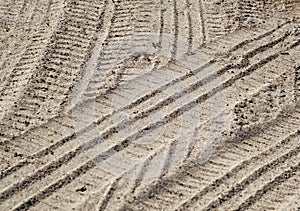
<point x="149" y="105"/>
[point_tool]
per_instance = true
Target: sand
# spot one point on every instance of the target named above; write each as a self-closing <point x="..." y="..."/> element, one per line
<point x="150" y="105"/>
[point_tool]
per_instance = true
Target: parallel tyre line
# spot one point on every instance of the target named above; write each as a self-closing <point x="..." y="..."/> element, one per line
<point x="290" y="155"/>
<point x="252" y="134"/>
<point x="210" y="187"/>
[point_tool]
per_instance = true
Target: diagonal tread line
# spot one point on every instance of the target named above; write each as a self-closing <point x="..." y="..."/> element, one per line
<point x="58" y="184"/>
<point x="13" y="169"/>
<point x="275" y="182"/>
<point x="109" y="194"/>
<point x="258" y="38"/>
<point x="216" y="182"/>
<point x="239" y="187"/>
<point x="210" y="187"/>
<point x="203" y="31"/>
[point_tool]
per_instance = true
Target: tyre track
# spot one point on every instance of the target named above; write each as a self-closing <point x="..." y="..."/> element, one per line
<point x="282" y="5"/>
<point x="276" y="181"/>
<point x="243" y="43"/>
<point x="161" y="27"/>
<point x="116" y="42"/>
<point x="176" y="31"/>
<point x="54" y="135"/>
<point x="219" y="17"/>
<point x="59" y="57"/>
<point x="108" y="153"/>
<point x="169" y="29"/>
<point x="146" y="166"/>
<point x="265" y="170"/>
<point x="283" y="193"/>
<point x="192" y="179"/>
<point x="194" y="35"/>
<point x="42" y="179"/>
<point x="215" y="49"/>
<point x="21" y="28"/>
<point x="61" y="125"/>
<point x="53" y="147"/>
<point x="115" y="183"/>
<point x="203" y="26"/>
<point x="25" y="67"/>
<point x="250" y="9"/>
<point x="190" y="33"/>
<point x="213" y="20"/>
<point x="185" y="33"/>
<point x="242" y="87"/>
<point x="9" y="14"/>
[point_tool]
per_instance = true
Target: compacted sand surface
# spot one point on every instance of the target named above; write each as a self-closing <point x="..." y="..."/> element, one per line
<point x="149" y="105"/>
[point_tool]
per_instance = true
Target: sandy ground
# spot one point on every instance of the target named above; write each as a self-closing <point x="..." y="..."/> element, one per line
<point x="149" y="105"/>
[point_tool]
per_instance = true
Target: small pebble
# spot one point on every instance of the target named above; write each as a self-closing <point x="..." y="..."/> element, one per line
<point x="281" y="94"/>
<point x="252" y="20"/>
